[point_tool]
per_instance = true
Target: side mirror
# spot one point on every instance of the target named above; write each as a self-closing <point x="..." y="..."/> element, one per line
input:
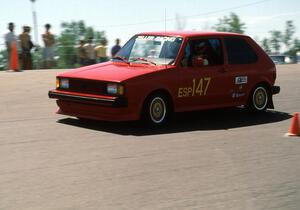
<point x="198" y="61"/>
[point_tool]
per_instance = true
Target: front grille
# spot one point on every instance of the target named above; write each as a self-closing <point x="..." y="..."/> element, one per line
<point x="86" y="86"/>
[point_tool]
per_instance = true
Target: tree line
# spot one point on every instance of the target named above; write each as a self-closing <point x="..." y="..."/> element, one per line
<point x="272" y="44"/>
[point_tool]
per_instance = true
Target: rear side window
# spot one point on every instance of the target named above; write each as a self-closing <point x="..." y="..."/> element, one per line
<point x="239" y="51"/>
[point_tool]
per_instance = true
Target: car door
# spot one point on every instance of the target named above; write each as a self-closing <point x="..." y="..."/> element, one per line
<point x="241" y="67"/>
<point x="202" y="85"/>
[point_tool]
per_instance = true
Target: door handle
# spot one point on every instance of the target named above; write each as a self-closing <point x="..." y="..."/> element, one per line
<point x="223" y="70"/>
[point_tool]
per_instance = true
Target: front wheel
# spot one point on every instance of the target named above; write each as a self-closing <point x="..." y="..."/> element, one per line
<point x="258" y="99"/>
<point x="156" y="110"/>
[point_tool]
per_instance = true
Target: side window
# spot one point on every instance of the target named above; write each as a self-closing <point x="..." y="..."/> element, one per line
<point x="239" y="51"/>
<point x="210" y="50"/>
<point x="186" y="56"/>
<point x="217" y="50"/>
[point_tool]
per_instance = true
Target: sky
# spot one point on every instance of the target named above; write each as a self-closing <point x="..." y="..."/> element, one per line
<point x="124" y="18"/>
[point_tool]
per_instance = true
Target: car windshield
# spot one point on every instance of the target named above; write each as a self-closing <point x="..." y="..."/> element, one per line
<point x="150" y="49"/>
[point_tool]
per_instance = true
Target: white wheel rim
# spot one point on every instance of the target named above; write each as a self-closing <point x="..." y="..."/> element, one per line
<point x="260" y="98"/>
<point x="157" y="110"/>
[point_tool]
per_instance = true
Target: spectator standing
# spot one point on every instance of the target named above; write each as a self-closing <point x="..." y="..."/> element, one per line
<point x="90" y="52"/>
<point x="115" y="49"/>
<point x="101" y="51"/>
<point x="26" y="46"/>
<point x="81" y="53"/>
<point x="48" y="53"/>
<point x="10" y="37"/>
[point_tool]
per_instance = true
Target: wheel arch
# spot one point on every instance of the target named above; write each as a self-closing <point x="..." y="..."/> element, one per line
<point x="268" y="87"/>
<point x="163" y="91"/>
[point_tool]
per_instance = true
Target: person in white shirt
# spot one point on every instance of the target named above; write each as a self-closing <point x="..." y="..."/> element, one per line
<point x="90" y="52"/>
<point x="9" y="38"/>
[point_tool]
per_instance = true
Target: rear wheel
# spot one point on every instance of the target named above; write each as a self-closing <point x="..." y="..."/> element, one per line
<point x="258" y="99"/>
<point x="156" y="110"/>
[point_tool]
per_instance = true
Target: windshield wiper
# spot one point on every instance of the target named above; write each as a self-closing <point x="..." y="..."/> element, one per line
<point x="121" y="58"/>
<point x="143" y="59"/>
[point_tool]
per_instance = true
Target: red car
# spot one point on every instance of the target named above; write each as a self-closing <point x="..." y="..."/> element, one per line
<point x="158" y="73"/>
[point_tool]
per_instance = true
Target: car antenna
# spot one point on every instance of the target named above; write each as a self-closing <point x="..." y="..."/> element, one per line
<point x="165" y="35"/>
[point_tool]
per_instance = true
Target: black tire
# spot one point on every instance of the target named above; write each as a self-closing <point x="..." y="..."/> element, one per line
<point x="156" y="110"/>
<point x="259" y="99"/>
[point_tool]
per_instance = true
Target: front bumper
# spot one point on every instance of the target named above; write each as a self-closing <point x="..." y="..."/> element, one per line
<point x="89" y="99"/>
<point x="95" y="107"/>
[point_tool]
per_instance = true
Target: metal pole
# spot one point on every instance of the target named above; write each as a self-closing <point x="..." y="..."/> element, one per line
<point x="35" y="25"/>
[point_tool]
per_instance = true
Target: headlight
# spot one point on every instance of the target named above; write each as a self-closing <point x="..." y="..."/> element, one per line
<point x="115" y="89"/>
<point x="64" y="83"/>
<point x="57" y="83"/>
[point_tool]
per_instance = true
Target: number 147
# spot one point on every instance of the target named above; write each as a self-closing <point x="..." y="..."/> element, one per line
<point x="200" y="87"/>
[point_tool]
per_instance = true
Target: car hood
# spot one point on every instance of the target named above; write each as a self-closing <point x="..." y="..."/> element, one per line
<point x="112" y="71"/>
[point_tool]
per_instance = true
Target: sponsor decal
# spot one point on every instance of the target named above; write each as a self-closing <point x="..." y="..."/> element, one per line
<point x="241" y="80"/>
<point x="157" y="38"/>
<point x="237" y="95"/>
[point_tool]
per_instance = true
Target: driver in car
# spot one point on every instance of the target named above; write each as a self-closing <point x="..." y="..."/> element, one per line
<point x="201" y="52"/>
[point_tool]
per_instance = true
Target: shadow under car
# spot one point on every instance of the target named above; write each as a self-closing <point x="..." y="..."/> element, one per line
<point x="219" y="119"/>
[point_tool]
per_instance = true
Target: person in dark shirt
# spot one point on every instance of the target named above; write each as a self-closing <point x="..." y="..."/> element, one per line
<point x="82" y="53"/>
<point x="115" y="48"/>
<point x="26" y="46"/>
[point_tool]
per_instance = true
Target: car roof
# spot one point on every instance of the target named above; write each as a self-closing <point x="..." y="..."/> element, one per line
<point x="190" y="33"/>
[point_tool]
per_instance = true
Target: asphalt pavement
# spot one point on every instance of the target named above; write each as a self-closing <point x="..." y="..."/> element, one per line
<point x="219" y="159"/>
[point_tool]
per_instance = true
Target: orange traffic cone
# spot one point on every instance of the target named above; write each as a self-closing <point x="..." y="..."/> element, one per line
<point x="14" y="60"/>
<point x="295" y="127"/>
